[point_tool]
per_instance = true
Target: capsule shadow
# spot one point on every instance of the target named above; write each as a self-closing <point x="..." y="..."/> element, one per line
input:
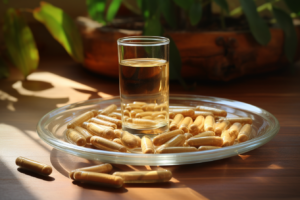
<point x="95" y="186"/>
<point x="30" y="173"/>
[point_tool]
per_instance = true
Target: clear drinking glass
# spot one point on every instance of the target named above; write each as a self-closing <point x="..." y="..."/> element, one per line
<point x="144" y="84"/>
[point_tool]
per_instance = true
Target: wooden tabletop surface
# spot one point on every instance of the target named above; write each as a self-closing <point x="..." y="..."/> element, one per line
<point x="268" y="172"/>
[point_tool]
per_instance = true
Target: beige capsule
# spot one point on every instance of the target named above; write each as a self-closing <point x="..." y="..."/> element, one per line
<point x="235" y="129"/>
<point x="126" y="113"/>
<point x="103" y="168"/>
<point x="197" y="125"/>
<point x="164" y="137"/>
<point x="176" y="122"/>
<point x="188" y="135"/>
<point x="209" y="123"/>
<point x="99" y="178"/>
<point x="147" y="117"/>
<point x="143" y="114"/>
<point x="135" y="111"/>
<point x="178" y="140"/>
<point x="228" y="140"/>
<point x="202" y="113"/>
<point x="111" y="120"/>
<point x="148" y="107"/>
<point x="99" y="130"/>
<point x="242" y="120"/>
<point x="119" y="110"/>
<point x="75" y="137"/>
<point x="84" y="125"/>
<point x="245" y="133"/>
<point x="144" y="122"/>
<point x="139" y="141"/>
<point x="215" y="111"/>
<point x="205" y="141"/>
<point x="160" y="107"/>
<point x="145" y="176"/>
<point x="186" y="122"/>
<point x="139" y="103"/>
<point x="108" y="145"/>
<point x="219" y="127"/>
<point x="160" y="117"/>
<point x="109" y="109"/>
<point x="85" y="133"/>
<point x="118" y="140"/>
<point x="129" y="140"/>
<point x="204" y="134"/>
<point x="177" y="149"/>
<point x="77" y="121"/>
<point x="184" y="112"/>
<point x="131" y="106"/>
<point x="116" y="115"/>
<point x="147" y="145"/>
<point x="204" y="148"/>
<point x="34" y="166"/>
<point x="155" y="114"/>
<point x="102" y="122"/>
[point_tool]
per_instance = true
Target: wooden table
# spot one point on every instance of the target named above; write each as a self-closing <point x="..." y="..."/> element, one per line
<point x="269" y="172"/>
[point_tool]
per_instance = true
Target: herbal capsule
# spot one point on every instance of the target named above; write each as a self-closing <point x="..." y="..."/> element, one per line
<point x="99" y="130"/>
<point x="245" y="133"/>
<point x="119" y="110"/>
<point x="118" y="140"/>
<point x="184" y="112"/>
<point x="202" y="113"/>
<point x="147" y="117"/>
<point x="164" y="137"/>
<point x="242" y="120"/>
<point x="147" y="145"/>
<point x="235" y="129"/>
<point x="197" y="125"/>
<point x="103" y="168"/>
<point x="99" y="178"/>
<point x="228" y="140"/>
<point x="34" y="166"/>
<point x="77" y="121"/>
<point x="135" y="111"/>
<point x="138" y="140"/>
<point x="126" y="113"/>
<point x="84" y="125"/>
<point x="116" y="115"/>
<point x="143" y="114"/>
<point x="129" y="140"/>
<point x="215" y="111"/>
<point x="224" y="125"/>
<point x="205" y="141"/>
<point x="110" y="119"/>
<point x="85" y="133"/>
<point x="186" y="122"/>
<point x="139" y="103"/>
<point x="145" y="176"/>
<point x="131" y="106"/>
<point x="148" y="107"/>
<point x="203" y="134"/>
<point x="146" y="122"/>
<point x="155" y="114"/>
<point x="209" y="123"/>
<point x="177" y="149"/>
<point x="160" y="107"/>
<point x="176" y="122"/>
<point x="75" y="137"/>
<point x="174" y="142"/>
<point x="160" y="117"/>
<point x="105" y="144"/>
<point x="102" y="122"/>
<point x="109" y="109"/>
<point x="204" y="148"/>
<point x="188" y="135"/>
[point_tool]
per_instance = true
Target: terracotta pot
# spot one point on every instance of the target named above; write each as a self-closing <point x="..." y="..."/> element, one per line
<point x="213" y="55"/>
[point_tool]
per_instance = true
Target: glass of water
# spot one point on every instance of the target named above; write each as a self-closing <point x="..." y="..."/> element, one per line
<point x="144" y="84"/>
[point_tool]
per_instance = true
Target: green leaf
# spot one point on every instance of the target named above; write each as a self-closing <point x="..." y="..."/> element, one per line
<point x="258" y="27"/>
<point x="62" y="28"/>
<point x="223" y="4"/>
<point x="175" y="61"/>
<point x="149" y="8"/>
<point x="195" y="13"/>
<point x="293" y="5"/>
<point x="167" y="9"/>
<point x="290" y="36"/>
<point x="96" y="9"/>
<point x="184" y="4"/>
<point x="113" y="9"/>
<point x="20" y="43"/>
<point x="152" y="26"/>
<point x="4" y="72"/>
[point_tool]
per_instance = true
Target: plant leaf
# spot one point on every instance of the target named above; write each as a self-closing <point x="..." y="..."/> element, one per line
<point x="4" y="72"/>
<point x="96" y="9"/>
<point x="258" y="27"/>
<point x="132" y="5"/>
<point x="62" y="28"/>
<point x="223" y="4"/>
<point x="293" y="5"/>
<point x="290" y="36"/>
<point x="195" y="13"/>
<point x="113" y="9"/>
<point x="167" y="9"/>
<point x="20" y="43"/>
<point x="184" y="4"/>
<point x="149" y="8"/>
<point x="152" y="26"/>
<point x="175" y="61"/>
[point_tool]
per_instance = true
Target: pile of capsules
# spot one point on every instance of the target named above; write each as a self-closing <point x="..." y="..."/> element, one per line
<point x="98" y="174"/>
<point x="191" y="129"/>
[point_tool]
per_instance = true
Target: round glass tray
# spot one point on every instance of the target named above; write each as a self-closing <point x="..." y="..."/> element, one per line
<point x="52" y="126"/>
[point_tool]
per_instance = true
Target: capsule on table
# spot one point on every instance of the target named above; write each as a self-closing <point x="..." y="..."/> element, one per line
<point x="177" y="149"/>
<point x="99" y="178"/>
<point x="228" y="140"/>
<point x="219" y="127"/>
<point x="109" y="109"/>
<point x="110" y="119"/>
<point x="235" y="129"/>
<point x="103" y="168"/>
<point x="147" y="145"/>
<point x="99" y="130"/>
<point x="245" y="133"/>
<point x="188" y="135"/>
<point x="145" y="176"/>
<point x="184" y="112"/>
<point x="215" y="111"/>
<point x="202" y="113"/>
<point x="209" y="123"/>
<point x="75" y="137"/>
<point x="176" y="122"/>
<point x="116" y="115"/>
<point x="105" y="144"/>
<point x="186" y="122"/>
<point x="204" y="148"/>
<point x="197" y="125"/>
<point x="85" y="133"/>
<point x="129" y="140"/>
<point x="178" y="140"/>
<point x="34" y="166"/>
<point x="77" y="121"/>
<point x="205" y="141"/>
<point x="242" y="120"/>
<point x="164" y="137"/>
<point x="203" y="134"/>
<point x="102" y="122"/>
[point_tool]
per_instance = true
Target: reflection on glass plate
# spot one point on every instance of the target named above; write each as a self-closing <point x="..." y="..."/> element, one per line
<point x="52" y="126"/>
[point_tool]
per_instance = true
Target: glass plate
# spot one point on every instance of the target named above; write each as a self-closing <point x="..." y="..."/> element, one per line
<point x="51" y="129"/>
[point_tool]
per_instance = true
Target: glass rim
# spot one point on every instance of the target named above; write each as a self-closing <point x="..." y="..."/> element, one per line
<point x="143" y="41"/>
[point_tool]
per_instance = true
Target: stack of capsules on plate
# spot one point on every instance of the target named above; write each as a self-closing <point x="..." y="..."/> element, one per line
<point x="191" y="129"/>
